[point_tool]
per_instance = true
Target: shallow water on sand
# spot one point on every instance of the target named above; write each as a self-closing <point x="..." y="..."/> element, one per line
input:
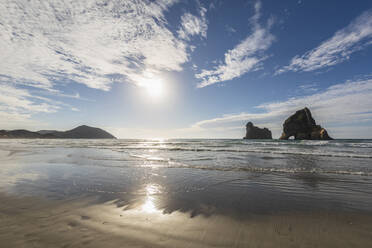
<point x="228" y="179"/>
<point x="186" y="174"/>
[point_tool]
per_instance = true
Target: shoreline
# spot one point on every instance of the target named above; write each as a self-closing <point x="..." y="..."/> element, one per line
<point x="178" y="194"/>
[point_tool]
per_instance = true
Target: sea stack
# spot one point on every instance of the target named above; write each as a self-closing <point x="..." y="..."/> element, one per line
<point x="302" y="126"/>
<point x="254" y="132"/>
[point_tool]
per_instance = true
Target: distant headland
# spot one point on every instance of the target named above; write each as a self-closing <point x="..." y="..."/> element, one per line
<point x="300" y="125"/>
<point x="81" y="132"/>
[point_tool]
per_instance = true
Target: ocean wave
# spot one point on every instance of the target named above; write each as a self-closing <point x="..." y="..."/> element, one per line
<point x="344" y="153"/>
<point x="150" y="158"/>
<point x="361" y="145"/>
<point x="358" y="149"/>
<point x="161" y="159"/>
<point x="270" y="170"/>
<point x="229" y="163"/>
<point x="269" y="150"/>
<point x="251" y="169"/>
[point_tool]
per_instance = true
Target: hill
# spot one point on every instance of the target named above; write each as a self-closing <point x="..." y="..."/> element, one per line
<point x="81" y="132"/>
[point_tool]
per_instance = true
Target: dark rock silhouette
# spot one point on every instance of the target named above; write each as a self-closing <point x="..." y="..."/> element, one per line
<point x="23" y="134"/>
<point x="302" y="126"/>
<point x="84" y="132"/>
<point x="81" y="132"/>
<point x="254" y="132"/>
<point x="46" y="131"/>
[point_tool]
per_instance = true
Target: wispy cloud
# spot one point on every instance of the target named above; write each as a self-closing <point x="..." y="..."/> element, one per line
<point x="245" y="57"/>
<point x="94" y="43"/>
<point x="20" y="100"/>
<point x="192" y="25"/>
<point x="356" y="36"/>
<point x="341" y="106"/>
<point x="309" y="88"/>
<point x="17" y="105"/>
<point x="230" y="29"/>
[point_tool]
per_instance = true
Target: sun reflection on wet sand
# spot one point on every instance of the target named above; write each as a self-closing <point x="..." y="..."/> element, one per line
<point x="107" y="225"/>
<point x="149" y="205"/>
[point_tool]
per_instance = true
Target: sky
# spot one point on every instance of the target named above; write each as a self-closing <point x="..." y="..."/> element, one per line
<point x="185" y="69"/>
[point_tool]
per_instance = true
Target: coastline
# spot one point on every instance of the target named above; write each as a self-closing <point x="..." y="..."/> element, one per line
<point x="76" y="193"/>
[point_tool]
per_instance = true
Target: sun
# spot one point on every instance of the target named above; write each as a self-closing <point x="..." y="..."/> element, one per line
<point x="154" y="87"/>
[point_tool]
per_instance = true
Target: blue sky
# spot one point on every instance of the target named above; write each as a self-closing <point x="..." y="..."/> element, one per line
<point x="147" y="69"/>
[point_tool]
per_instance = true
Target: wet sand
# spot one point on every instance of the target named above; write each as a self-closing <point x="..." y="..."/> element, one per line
<point x="33" y="222"/>
<point x="74" y="195"/>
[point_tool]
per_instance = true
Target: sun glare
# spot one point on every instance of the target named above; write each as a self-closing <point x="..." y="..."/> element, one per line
<point x="149" y="204"/>
<point x="154" y="87"/>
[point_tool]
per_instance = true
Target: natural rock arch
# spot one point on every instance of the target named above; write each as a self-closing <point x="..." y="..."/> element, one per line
<point x="302" y="126"/>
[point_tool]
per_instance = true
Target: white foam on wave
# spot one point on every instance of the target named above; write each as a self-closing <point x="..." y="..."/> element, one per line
<point x="269" y="170"/>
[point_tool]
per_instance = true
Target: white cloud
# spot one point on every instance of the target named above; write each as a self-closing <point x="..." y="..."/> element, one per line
<point x="46" y="44"/>
<point x="19" y="121"/>
<point x="192" y="25"/>
<point x="339" y="108"/>
<point x="20" y="100"/>
<point x="17" y="106"/>
<point x="245" y="57"/>
<point x="86" y="41"/>
<point x="356" y="36"/>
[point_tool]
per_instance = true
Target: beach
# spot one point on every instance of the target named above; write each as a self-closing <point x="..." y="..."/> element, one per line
<point x="185" y="193"/>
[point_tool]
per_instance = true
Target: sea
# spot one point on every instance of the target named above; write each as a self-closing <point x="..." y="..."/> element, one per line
<point x="198" y="176"/>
